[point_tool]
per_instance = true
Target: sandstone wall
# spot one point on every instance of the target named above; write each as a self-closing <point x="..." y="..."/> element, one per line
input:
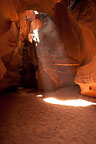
<point x="74" y="43"/>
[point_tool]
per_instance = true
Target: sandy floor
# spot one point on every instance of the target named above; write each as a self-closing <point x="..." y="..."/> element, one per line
<point x="26" y="119"/>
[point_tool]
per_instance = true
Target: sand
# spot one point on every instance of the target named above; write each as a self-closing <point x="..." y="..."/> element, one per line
<point x="27" y="119"/>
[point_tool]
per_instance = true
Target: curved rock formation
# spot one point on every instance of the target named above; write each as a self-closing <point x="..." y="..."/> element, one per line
<point x="86" y="78"/>
<point x="86" y="73"/>
<point x="70" y="42"/>
<point x="77" y="30"/>
<point x="10" y="13"/>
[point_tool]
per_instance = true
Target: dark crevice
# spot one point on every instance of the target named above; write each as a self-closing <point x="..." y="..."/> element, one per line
<point x="28" y="69"/>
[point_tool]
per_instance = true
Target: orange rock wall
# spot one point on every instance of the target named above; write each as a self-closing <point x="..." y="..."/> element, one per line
<point x="75" y="28"/>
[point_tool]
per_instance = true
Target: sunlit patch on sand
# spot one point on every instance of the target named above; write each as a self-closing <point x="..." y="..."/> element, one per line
<point x="39" y="95"/>
<point x="75" y="103"/>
